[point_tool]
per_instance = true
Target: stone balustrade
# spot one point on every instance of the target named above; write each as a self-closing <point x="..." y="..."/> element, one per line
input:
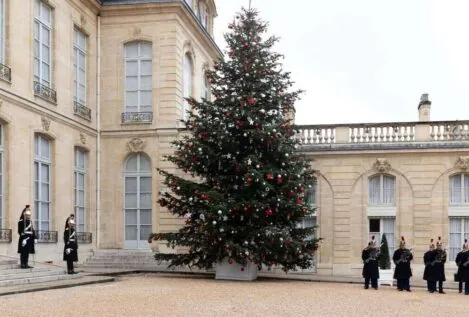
<point x="393" y="133"/>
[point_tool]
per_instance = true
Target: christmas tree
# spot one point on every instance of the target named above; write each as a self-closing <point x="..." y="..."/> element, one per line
<point x="384" y="259"/>
<point x="250" y="191"/>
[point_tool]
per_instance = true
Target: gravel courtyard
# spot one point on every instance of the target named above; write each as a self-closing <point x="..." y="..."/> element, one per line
<point x="172" y="295"/>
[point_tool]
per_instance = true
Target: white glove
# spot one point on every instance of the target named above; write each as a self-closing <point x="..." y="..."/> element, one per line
<point x="35" y="241"/>
<point x="23" y="243"/>
<point x="68" y="250"/>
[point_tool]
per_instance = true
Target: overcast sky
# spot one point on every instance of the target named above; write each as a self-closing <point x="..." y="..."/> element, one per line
<point x="369" y="60"/>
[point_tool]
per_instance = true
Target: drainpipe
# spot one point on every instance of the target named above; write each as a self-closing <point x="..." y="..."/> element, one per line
<point x="98" y="130"/>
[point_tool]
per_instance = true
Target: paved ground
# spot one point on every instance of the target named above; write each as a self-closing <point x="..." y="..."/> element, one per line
<point x="173" y="295"/>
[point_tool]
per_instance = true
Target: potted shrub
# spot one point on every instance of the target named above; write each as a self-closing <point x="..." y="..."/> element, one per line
<point x="385" y="272"/>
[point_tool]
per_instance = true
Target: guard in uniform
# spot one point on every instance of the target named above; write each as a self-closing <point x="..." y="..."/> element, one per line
<point x="370" y="257"/>
<point x="439" y="265"/>
<point x="70" y="246"/>
<point x="402" y="272"/>
<point x="458" y="263"/>
<point x="27" y="237"/>
<point x="464" y="269"/>
<point x="429" y="272"/>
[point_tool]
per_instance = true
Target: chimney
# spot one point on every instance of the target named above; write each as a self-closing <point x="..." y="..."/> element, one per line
<point x="424" y="108"/>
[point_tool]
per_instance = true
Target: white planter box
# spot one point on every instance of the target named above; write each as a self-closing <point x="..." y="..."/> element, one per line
<point x="227" y="271"/>
<point x="385" y="277"/>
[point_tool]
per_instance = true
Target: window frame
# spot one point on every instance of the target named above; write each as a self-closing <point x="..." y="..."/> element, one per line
<point x="462" y="233"/>
<point x="80" y="171"/>
<point x="77" y="51"/>
<point x="39" y="162"/>
<point x="206" y="93"/>
<point x="2" y="32"/>
<point x="378" y="235"/>
<point x="139" y="60"/>
<point x="463" y="190"/>
<point x="187" y="82"/>
<point x="42" y="25"/>
<point x="381" y="190"/>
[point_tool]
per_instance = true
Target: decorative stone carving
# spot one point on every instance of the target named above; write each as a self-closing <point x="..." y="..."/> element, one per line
<point x="137" y="31"/>
<point x="462" y="162"/>
<point x="189" y="48"/>
<point x="83" y="138"/>
<point x="82" y="20"/>
<point x="136" y="145"/>
<point x="45" y="123"/>
<point x="382" y="165"/>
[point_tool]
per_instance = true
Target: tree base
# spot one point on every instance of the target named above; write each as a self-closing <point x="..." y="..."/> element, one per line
<point x="385" y="277"/>
<point x="235" y="272"/>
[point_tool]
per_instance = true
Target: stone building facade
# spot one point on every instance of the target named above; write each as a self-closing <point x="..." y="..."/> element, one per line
<point x="406" y="179"/>
<point x="91" y="92"/>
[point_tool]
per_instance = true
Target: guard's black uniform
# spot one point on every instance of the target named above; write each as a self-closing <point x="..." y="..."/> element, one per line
<point x="402" y="272"/>
<point x="70" y="249"/>
<point x="458" y="273"/>
<point x="440" y="260"/>
<point x="464" y="272"/>
<point x="27" y="235"/>
<point x="429" y="272"/>
<point x="370" y="272"/>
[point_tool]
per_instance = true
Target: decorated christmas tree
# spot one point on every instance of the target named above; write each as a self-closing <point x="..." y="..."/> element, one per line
<point x="249" y="193"/>
<point x="384" y="258"/>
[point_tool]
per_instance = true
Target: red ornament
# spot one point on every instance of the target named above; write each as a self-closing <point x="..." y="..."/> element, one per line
<point x="239" y="123"/>
<point x="242" y="269"/>
<point x="249" y="181"/>
<point x="268" y="212"/>
<point x="269" y="176"/>
<point x="299" y="202"/>
<point x="227" y="115"/>
<point x="246" y="209"/>
<point x="230" y="26"/>
<point x="279" y="180"/>
<point x="230" y="261"/>
<point x="162" y="203"/>
<point x="251" y="101"/>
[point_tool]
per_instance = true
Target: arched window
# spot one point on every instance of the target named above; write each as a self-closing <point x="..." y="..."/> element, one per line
<point x="137" y="201"/>
<point x="205" y="88"/>
<point x="459" y="189"/>
<point x="187" y="82"/>
<point x="381" y="190"/>
<point x="2" y="180"/>
<point x="42" y="182"/>
<point x="138" y="77"/>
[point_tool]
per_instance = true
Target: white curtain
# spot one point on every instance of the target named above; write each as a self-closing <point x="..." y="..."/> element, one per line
<point x="455" y="237"/>
<point x="388" y="190"/>
<point x="374" y="190"/>
<point x="455" y="185"/>
<point x="466" y="188"/>
<point x="388" y="230"/>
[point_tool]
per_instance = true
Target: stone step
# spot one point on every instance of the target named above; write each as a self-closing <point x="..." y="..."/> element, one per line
<point x="127" y="260"/>
<point x="26" y="275"/>
<point x="40" y="279"/>
<point x="18" y="270"/>
<point x="8" y="264"/>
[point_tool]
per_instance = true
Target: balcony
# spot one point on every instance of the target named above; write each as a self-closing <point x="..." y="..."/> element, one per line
<point x="44" y="92"/>
<point x="84" y="237"/>
<point x="384" y="136"/>
<point x="46" y="236"/>
<point x="5" y="235"/>
<point x="81" y="111"/>
<point x="5" y="73"/>
<point x="137" y="117"/>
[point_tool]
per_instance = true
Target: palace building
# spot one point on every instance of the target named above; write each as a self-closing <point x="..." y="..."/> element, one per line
<point x="91" y="94"/>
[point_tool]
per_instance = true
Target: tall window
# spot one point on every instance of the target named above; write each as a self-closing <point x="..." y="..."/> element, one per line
<point x="2" y="31"/>
<point x="459" y="189"/>
<point x="79" y="67"/>
<point x="81" y="162"/>
<point x="42" y="43"/>
<point x="381" y="190"/>
<point x="380" y="226"/>
<point x="311" y="195"/>
<point x="205" y="88"/>
<point x="188" y="2"/>
<point x="138" y="77"/>
<point x="187" y="82"/>
<point x="138" y="203"/>
<point x="2" y="181"/>
<point x="42" y="177"/>
<point x="205" y="17"/>
<point x="458" y="231"/>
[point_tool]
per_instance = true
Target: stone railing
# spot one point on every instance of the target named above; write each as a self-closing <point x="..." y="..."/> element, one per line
<point x="84" y="237"/>
<point x="47" y="236"/>
<point x="383" y="133"/>
<point x="44" y="92"/>
<point x="5" y="73"/>
<point x="81" y="111"/>
<point x="5" y="235"/>
<point x="137" y="117"/>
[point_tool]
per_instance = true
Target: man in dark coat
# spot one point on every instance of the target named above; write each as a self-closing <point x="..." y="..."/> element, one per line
<point x="464" y="272"/>
<point x="27" y="237"/>
<point x="439" y="264"/>
<point x="402" y="272"/>
<point x="70" y="246"/>
<point x="429" y="272"/>
<point x="370" y="257"/>
<point x="459" y="264"/>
